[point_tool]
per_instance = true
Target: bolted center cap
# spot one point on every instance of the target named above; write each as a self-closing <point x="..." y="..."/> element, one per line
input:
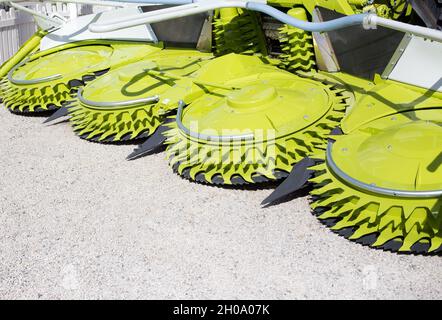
<point x="251" y="97"/>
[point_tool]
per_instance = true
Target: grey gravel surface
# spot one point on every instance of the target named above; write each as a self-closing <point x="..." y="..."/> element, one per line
<point x="79" y="221"/>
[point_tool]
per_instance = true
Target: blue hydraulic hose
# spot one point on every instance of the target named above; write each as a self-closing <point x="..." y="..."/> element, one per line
<point x="352" y="20"/>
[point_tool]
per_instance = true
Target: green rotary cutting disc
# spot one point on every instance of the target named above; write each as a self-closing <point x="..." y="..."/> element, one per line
<point x="257" y="127"/>
<point x="124" y="104"/>
<point x="380" y="183"/>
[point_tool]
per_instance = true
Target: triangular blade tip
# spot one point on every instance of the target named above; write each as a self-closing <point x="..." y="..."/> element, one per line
<point x="267" y="201"/>
<point x="58" y="115"/>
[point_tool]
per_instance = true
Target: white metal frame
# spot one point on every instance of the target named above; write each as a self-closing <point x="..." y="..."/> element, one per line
<point x="369" y="21"/>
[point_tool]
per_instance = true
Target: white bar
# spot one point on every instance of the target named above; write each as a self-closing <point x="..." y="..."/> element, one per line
<point x="371" y="21"/>
<point x="427" y="33"/>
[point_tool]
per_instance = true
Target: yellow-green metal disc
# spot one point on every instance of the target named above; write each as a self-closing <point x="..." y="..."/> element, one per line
<point x="256" y="131"/>
<point x="398" y="156"/>
<point x="381" y="184"/>
<point x="116" y="106"/>
<point x="276" y="105"/>
<point x="386" y="98"/>
<point x="134" y="82"/>
<point x="49" y="78"/>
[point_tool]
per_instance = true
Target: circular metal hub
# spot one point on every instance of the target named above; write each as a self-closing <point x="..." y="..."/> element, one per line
<point x="251" y="97"/>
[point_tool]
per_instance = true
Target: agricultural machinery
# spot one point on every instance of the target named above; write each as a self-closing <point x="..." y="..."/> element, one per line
<point x="342" y="98"/>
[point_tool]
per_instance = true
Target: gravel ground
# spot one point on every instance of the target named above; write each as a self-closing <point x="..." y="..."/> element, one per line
<point x="79" y="221"/>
